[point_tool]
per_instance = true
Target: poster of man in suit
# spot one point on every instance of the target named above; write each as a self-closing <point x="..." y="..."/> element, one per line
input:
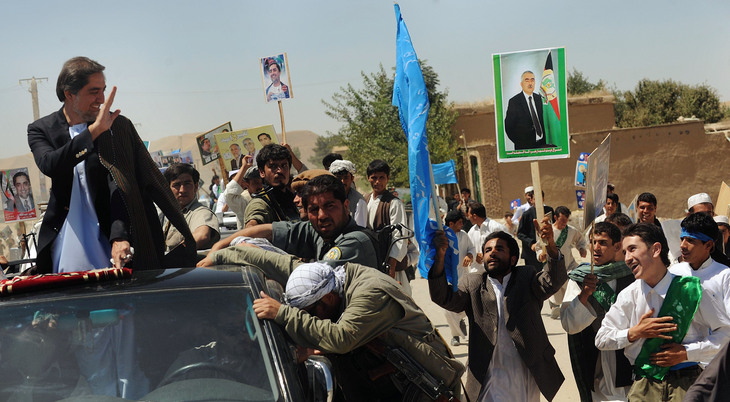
<point x="531" y="105"/>
<point x="17" y="195"/>
<point x="237" y="145"/>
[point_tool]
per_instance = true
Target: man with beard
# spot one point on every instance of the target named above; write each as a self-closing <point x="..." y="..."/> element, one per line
<point x="510" y="356"/>
<point x="275" y="202"/>
<point x="668" y="326"/>
<point x="604" y="376"/>
<point x="330" y="234"/>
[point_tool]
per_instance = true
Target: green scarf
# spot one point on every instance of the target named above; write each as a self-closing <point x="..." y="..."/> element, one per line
<point x="681" y="303"/>
<point x="605" y="273"/>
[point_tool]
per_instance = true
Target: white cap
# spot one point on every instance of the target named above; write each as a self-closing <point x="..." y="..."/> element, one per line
<point x="722" y="219"/>
<point x="529" y="189"/>
<point x="697" y="199"/>
<point x="341" y="165"/>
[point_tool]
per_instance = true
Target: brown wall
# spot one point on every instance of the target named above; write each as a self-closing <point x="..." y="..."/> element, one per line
<point x="672" y="161"/>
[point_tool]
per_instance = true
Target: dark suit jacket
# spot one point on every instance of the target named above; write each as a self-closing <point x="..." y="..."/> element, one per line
<point x="56" y="155"/>
<point x="518" y="122"/>
<point x="21" y="208"/>
<point x="525" y="293"/>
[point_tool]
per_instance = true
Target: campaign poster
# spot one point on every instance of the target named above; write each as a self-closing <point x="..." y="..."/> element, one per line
<point x="17" y="195"/>
<point x="185" y="157"/>
<point x="236" y="145"/>
<point x="531" y="104"/>
<point x="157" y="158"/>
<point x="581" y="167"/>
<point x="580" y="197"/>
<point x="207" y="145"/>
<point x="596" y="181"/>
<point x="276" y="78"/>
<point x="514" y="204"/>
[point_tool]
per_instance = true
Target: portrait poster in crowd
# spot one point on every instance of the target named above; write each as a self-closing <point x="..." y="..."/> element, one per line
<point x="185" y="157"/>
<point x="531" y="105"/>
<point x="157" y="158"/>
<point x="514" y="204"/>
<point x="597" y="181"/>
<point x="207" y="145"/>
<point x="580" y="197"/>
<point x="581" y="167"/>
<point x="236" y="145"/>
<point x="276" y="78"/>
<point x="17" y="195"/>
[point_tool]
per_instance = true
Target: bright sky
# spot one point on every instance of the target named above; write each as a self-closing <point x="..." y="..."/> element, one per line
<point x="186" y="66"/>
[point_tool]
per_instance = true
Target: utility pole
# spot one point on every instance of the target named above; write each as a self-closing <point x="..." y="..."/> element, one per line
<point x="37" y="115"/>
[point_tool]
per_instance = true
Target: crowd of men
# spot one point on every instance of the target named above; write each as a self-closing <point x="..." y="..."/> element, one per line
<point x="644" y="322"/>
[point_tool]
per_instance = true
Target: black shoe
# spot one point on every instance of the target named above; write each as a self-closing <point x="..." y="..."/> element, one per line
<point x="455" y="341"/>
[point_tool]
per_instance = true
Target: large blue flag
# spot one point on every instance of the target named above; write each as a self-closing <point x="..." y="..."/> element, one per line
<point x="411" y="98"/>
<point x="445" y="173"/>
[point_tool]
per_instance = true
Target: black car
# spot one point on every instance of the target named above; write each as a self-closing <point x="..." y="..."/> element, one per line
<point x="172" y="335"/>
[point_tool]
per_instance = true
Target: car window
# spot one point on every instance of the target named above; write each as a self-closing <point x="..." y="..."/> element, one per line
<point x="165" y="345"/>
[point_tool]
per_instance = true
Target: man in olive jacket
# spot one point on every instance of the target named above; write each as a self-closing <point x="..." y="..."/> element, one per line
<point x="344" y="312"/>
<point x="505" y="327"/>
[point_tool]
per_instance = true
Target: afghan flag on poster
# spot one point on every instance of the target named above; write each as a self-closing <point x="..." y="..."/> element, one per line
<point x="550" y="108"/>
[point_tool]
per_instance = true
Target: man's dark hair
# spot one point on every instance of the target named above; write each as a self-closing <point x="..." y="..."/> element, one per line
<point x="465" y="190"/>
<point x="264" y="134"/>
<point x="514" y="249"/>
<point x="323" y="184"/>
<point x="272" y="152"/>
<point x="329" y="158"/>
<point x="619" y="219"/>
<point x="477" y="209"/>
<point x="646" y="197"/>
<point x="21" y="173"/>
<point x="562" y="210"/>
<point x="453" y="216"/>
<point x="700" y="222"/>
<point x="75" y="75"/>
<point x="613" y="232"/>
<point x="378" y="166"/>
<point x="177" y="169"/>
<point x="650" y="234"/>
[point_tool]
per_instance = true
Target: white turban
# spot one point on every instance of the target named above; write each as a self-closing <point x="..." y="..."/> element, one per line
<point x="342" y="165"/>
<point x="308" y="283"/>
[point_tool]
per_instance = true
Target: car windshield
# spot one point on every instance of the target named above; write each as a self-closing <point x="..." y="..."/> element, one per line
<point x="191" y="344"/>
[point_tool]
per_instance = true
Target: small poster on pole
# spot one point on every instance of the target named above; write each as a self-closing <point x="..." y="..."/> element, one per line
<point x="597" y="180"/>
<point x="276" y="78"/>
<point x="531" y="105"/>
<point x="581" y="167"/>
<point x="207" y="145"/>
<point x="17" y="195"/>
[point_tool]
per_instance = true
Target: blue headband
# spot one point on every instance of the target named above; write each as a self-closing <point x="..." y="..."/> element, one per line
<point x="695" y="235"/>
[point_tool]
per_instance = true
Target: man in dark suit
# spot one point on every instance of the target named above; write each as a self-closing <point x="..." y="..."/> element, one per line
<point x="510" y="356"/>
<point x="523" y="123"/>
<point x="23" y="202"/>
<point x="104" y="185"/>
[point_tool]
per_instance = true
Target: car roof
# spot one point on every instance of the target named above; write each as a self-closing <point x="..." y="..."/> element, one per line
<point x="149" y="281"/>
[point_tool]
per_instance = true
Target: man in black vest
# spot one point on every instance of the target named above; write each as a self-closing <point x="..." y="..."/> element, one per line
<point x="275" y="202"/>
<point x="384" y="208"/>
<point x="600" y="376"/>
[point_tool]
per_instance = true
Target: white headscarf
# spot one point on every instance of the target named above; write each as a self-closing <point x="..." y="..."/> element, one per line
<point x="308" y="283"/>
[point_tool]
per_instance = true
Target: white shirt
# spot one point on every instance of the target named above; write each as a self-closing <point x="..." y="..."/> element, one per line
<point x="714" y="277"/>
<point x="397" y="215"/>
<point x="465" y="247"/>
<point x="574" y="239"/>
<point x="518" y="213"/>
<point x="221" y="202"/>
<point x="508" y="377"/>
<point x="237" y="203"/>
<point x="575" y="317"/>
<point x="478" y="233"/>
<point x="638" y="298"/>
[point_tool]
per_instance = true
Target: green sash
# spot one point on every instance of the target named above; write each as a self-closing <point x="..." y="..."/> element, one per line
<point x="604" y="295"/>
<point x="681" y="303"/>
<point x="561" y="239"/>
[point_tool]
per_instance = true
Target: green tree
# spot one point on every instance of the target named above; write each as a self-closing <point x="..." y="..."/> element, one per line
<point x="372" y="130"/>
<point x="324" y="146"/>
<point x="579" y="84"/>
<point x="661" y="102"/>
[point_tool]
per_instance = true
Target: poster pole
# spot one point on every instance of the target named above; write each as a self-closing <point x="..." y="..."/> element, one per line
<point x="539" y="212"/>
<point x="590" y="238"/>
<point x="283" y="130"/>
<point x="224" y="175"/>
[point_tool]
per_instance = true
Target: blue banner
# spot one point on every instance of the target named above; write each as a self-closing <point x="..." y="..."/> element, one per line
<point x="411" y="98"/>
<point x="445" y="173"/>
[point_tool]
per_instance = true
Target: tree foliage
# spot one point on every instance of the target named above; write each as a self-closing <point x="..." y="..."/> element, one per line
<point x="661" y="102"/>
<point x="579" y="84"/>
<point x="324" y="146"/>
<point x="372" y="130"/>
